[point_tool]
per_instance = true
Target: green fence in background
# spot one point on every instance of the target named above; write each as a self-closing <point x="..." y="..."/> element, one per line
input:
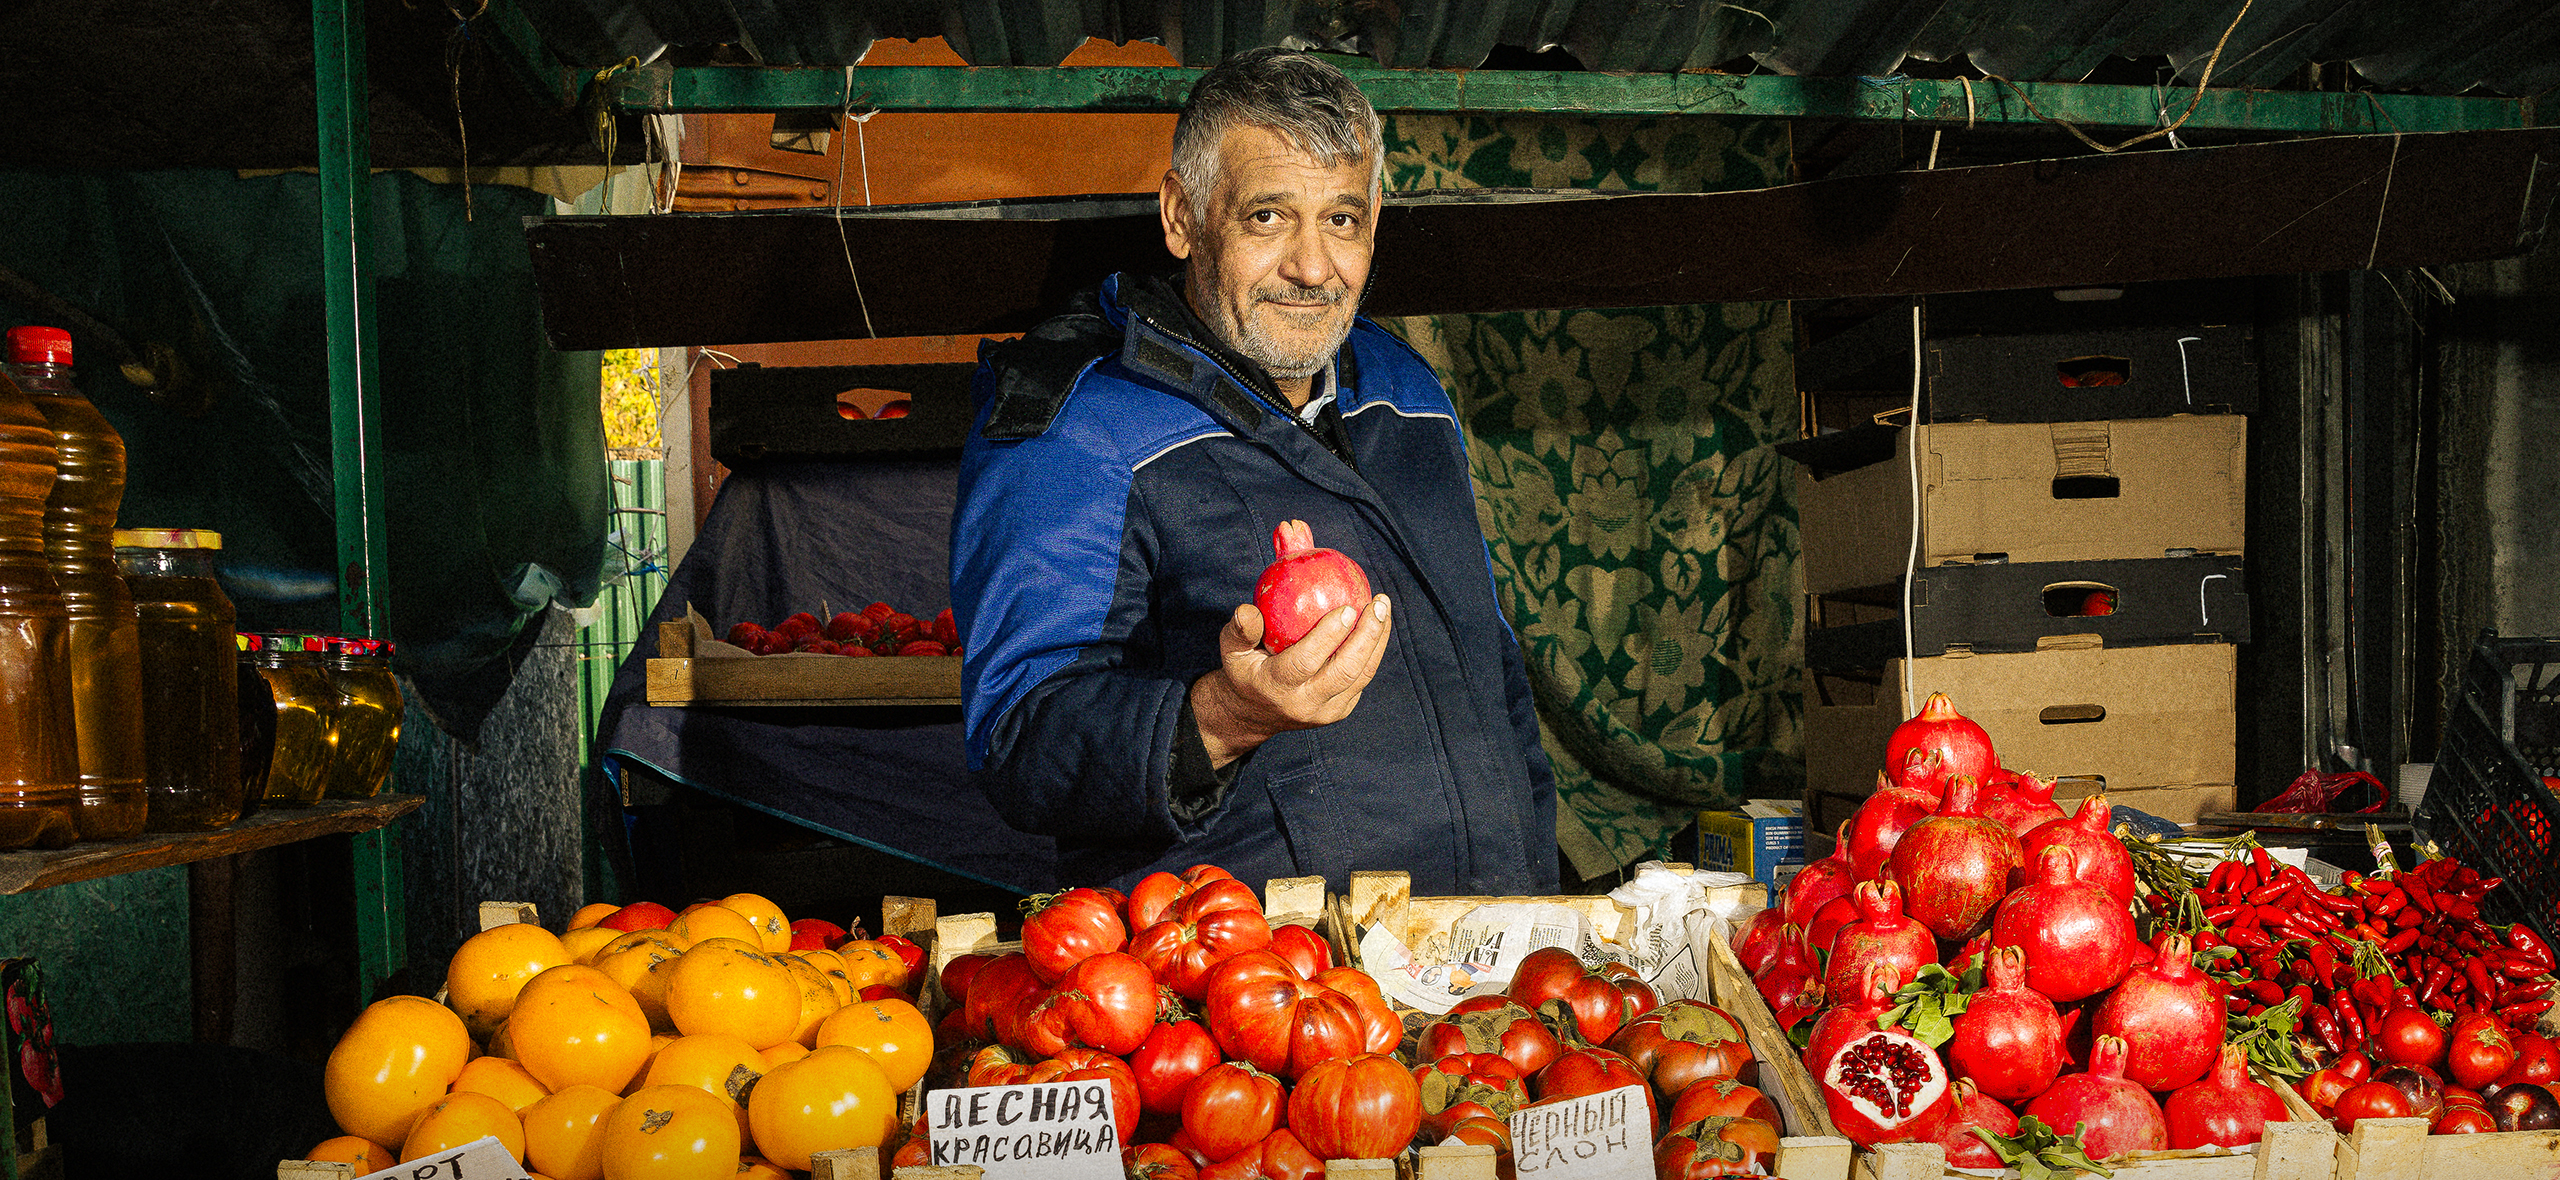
<point x="636" y="545"/>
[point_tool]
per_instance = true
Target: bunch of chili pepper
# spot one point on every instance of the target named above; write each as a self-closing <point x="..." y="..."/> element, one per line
<point x="2345" y="954"/>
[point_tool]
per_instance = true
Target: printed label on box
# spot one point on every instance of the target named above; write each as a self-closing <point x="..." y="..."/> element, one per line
<point x="1048" y="1129"/>
<point x="483" y="1158"/>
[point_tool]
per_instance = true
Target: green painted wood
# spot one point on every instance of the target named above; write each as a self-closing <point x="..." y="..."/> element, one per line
<point x="346" y="215"/>
<point x="382" y="920"/>
<point x="663" y="88"/>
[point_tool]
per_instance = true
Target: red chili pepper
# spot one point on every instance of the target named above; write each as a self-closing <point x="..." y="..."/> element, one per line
<point x="2375" y="885"/>
<point x="2390" y="900"/>
<point x="2437" y="976"/>
<point x="2267" y="893"/>
<point x="2315" y="918"/>
<point x="2224" y="915"/>
<point x="2522" y="938"/>
<point x="2249" y="937"/>
<point x="2206" y="940"/>
<point x="2480" y="888"/>
<point x="2219" y="881"/>
<point x="2518" y="991"/>
<point x="2517" y="965"/>
<point x="2517" y="1015"/>
<point x="2269" y="915"/>
<point x="2264" y="862"/>
<point x="2422" y="900"/>
<point x="2346" y="908"/>
<point x="2400" y="942"/>
<point x="2350" y="1021"/>
<point x="2408" y="919"/>
<point x="2266" y="991"/>
<point x="2477" y="971"/>
<point x="2462" y="908"/>
<point x="2325" y="1026"/>
<point x="2324" y="963"/>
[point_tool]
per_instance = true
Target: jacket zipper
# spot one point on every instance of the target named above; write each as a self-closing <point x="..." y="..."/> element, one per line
<point x="1212" y="357"/>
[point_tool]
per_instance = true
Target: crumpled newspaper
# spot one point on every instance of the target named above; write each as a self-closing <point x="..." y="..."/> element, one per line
<point x="1671" y="914"/>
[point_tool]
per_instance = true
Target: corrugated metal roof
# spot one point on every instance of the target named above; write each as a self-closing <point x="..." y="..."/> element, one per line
<point x="2508" y="47"/>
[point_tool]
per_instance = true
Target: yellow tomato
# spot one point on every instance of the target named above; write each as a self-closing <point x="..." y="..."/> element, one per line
<point x="705" y="922"/>
<point x="631" y="961"/>
<point x="564" y="1133"/>
<point x="768" y="919"/>
<point x="726" y="985"/>
<point x="756" y="1167"/>
<point x="717" y="1063"/>
<point x="867" y="963"/>
<point x="835" y="1097"/>
<point x="502" y="1079"/>
<point x="492" y="966"/>
<point x="786" y="1051"/>
<point x="457" y="1119"/>
<point x="591" y="913"/>
<point x="393" y="1063"/>
<point x="817" y="998"/>
<point x="585" y="944"/>
<point x="367" y="1155"/>
<point x="892" y="1032"/>
<point x="670" y="1133"/>
<point x="831" y="965"/>
<point x="574" y="1025"/>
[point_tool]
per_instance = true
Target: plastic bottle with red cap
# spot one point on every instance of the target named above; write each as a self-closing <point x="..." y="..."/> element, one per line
<point x="39" y="760"/>
<point x="105" y="642"/>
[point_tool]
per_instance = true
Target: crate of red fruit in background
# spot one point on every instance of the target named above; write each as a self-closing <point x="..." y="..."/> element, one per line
<point x="877" y="655"/>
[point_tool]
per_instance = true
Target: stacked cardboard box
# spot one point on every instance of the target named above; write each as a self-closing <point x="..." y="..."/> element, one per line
<point x="2079" y="578"/>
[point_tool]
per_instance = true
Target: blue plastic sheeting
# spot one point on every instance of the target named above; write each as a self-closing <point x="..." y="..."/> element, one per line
<point x="824" y="537"/>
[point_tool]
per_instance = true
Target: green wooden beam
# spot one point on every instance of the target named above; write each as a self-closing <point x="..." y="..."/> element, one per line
<point x="665" y="89"/>
<point x="346" y="283"/>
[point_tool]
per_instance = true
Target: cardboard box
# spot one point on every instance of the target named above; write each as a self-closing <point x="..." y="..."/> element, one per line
<point x="2018" y="608"/>
<point x="1759" y="839"/>
<point x="2114" y="490"/>
<point x="2154" y="727"/>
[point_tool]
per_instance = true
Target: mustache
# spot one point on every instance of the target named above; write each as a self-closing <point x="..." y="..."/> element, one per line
<point x="1292" y="293"/>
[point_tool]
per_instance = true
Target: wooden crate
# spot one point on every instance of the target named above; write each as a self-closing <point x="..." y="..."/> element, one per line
<point x="2401" y="1149"/>
<point x="677" y="676"/>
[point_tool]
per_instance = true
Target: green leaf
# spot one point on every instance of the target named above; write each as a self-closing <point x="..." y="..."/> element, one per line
<point x="2039" y="1154"/>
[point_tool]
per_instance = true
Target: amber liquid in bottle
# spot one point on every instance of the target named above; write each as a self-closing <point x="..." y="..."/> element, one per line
<point x="368" y="719"/>
<point x="105" y="637"/>
<point x="190" y="688"/>
<point x="39" y="757"/>
<point x="257" y="725"/>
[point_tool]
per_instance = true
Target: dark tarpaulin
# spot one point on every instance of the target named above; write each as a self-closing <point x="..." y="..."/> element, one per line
<point x="784" y="537"/>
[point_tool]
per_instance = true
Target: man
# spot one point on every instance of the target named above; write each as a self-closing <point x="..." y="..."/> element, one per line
<point x="1117" y="499"/>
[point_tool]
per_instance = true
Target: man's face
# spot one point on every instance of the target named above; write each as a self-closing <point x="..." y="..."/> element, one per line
<point x="1280" y="253"/>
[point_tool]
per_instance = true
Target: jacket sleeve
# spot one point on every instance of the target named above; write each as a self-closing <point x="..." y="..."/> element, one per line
<point x="1072" y="736"/>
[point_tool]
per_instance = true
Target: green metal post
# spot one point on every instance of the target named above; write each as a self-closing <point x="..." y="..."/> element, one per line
<point x="355" y="420"/>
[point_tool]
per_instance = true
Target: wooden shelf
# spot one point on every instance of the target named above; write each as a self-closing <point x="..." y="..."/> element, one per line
<point x="21" y="872"/>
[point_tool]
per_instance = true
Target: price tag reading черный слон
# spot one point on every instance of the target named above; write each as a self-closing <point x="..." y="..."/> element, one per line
<point x="483" y="1158"/>
<point x="1049" y="1129"/>
<point x="1605" y="1136"/>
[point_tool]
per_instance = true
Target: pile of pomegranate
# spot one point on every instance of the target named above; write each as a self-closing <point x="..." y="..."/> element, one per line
<point x="1958" y="870"/>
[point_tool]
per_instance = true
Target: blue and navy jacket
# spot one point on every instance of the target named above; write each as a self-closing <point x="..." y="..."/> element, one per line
<point x="1117" y="496"/>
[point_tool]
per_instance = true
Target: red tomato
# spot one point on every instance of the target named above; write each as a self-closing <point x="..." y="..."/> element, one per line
<point x="2369" y="1100"/>
<point x="997" y="994"/>
<point x="908" y="952"/>
<point x="1067" y="928"/>
<point x="880" y="991"/>
<point x="1161" y="1161"/>
<point x="1173" y="1053"/>
<point x="1279" y="1156"/>
<point x="1486" y="1130"/>
<point x="1095" y="1065"/>
<point x="1356" y="1108"/>
<point x="1305" y="949"/>
<point x="1492" y="1024"/>
<point x="1464" y="1085"/>
<point x="1106" y="1002"/>
<point x="1229" y="1108"/>
<point x="1261" y="1012"/>
<point x="1681" y="1044"/>
<point x="1598" y="1006"/>
<point x="1717" y="1147"/>
<point x="1595" y="1071"/>
<point x="2478" y="1051"/>
<point x="1720" y="1096"/>
<point x="1151" y="897"/>
<point x="1386" y="1029"/>
<point x="1188" y="943"/>
<point x="2463" y="1120"/>
<point x="1543" y="975"/>
<point x="957" y="973"/>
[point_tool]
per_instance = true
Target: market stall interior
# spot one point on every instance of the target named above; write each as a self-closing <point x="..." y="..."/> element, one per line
<point x="1811" y="359"/>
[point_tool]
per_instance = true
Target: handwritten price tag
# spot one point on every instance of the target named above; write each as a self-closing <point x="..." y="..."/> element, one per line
<point x="480" y="1159"/>
<point x="1063" y="1130"/>
<point x="1607" y="1136"/>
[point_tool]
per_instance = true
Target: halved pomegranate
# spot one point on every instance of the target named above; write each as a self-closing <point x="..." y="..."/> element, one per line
<point x="1884" y="1087"/>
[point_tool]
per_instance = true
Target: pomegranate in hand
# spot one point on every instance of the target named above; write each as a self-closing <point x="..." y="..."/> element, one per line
<point x="1296" y="591"/>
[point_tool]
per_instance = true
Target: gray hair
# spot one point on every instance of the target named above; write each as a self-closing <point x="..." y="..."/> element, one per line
<point x="1300" y="96"/>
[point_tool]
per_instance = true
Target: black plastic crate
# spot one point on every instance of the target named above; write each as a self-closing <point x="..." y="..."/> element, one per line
<point x="2489" y="800"/>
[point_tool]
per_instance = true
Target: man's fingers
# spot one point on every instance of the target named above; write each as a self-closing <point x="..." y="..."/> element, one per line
<point x="1243" y="630"/>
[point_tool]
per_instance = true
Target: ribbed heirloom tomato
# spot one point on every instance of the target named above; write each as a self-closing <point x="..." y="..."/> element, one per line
<point x="1106" y="1002"/>
<point x="1260" y="1011"/>
<point x="394" y="1061"/>
<point x="1230" y="1108"/>
<point x="1364" y="1107"/>
<point x="1211" y="924"/>
<point x="1174" y="1052"/>
<point x="1064" y="929"/>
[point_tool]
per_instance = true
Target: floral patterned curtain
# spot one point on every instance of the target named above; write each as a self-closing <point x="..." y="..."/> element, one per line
<point x="1643" y="532"/>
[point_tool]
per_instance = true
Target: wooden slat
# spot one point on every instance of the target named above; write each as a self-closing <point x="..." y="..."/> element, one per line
<point x="2304" y="1150"/>
<point x="1456" y="1161"/>
<point x="1293" y="897"/>
<point x="2386" y="1149"/>
<point x="805" y="680"/>
<point x="1813" y="1157"/>
<point x="1782" y="1072"/>
<point x="852" y="1163"/>
<point x="314" y="1170"/>
<point x="267" y="828"/>
<point x="1360" y="1169"/>
<point x="907" y="916"/>
<point x="675" y="639"/>
<point x="494" y="914"/>
<point x="2502" y="1153"/>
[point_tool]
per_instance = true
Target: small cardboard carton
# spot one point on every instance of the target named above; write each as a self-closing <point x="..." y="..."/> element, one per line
<point x="1759" y="839"/>
<point x="2153" y="727"/>
<point x="2030" y="492"/>
<point x="2024" y="607"/>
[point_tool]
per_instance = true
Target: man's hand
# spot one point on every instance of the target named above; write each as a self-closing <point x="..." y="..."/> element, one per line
<point x="1254" y="694"/>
